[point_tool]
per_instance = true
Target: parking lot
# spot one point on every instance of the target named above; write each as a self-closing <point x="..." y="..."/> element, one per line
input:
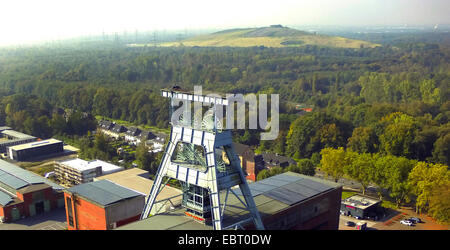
<point x="53" y="220"/>
<point x="392" y="222"/>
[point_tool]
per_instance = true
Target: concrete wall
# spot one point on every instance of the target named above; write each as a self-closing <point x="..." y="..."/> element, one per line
<point x="124" y="210"/>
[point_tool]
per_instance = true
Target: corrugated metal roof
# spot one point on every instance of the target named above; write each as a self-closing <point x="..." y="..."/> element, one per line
<point x="16" y="134"/>
<point x="103" y="192"/>
<point x="17" y="177"/>
<point x="5" y="198"/>
<point x="12" y="181"/>
<point x="287" y="188"/>
<point x="286" y="196"/>
<point x="296" y="187"/>
<point x="285" y="177"/>
<point x="120" y="191"/>
<point x="275" y="182"/>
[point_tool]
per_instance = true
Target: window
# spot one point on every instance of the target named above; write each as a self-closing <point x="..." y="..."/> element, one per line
<point x="69" y="211"/>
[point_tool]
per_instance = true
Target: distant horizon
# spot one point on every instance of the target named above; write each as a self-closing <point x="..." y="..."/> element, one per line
<point x="443" y="28"/>
<point x="25" y="21"/>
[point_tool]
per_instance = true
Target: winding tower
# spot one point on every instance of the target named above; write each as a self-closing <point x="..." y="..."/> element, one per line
<point x="200" y="154"/>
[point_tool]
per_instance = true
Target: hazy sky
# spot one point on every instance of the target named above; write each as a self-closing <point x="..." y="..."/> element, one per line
<point x="31" y="20"/>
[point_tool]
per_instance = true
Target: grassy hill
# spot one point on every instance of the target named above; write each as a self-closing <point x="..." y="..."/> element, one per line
<point x="273" y="36"/>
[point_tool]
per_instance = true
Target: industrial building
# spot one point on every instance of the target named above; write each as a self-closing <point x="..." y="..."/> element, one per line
<point x="361" y="206"/>
<point x="36" y="149"/>
<point x="77" y="171"/>
<point x="23" y="193"/>
<point x="10" y="137"/>
<point x="101" y="205"/>
<point x="138" y="180"/>
<point x="286" y="201"/>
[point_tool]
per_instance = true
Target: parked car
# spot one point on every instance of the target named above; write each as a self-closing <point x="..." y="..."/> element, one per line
<point x="361" y="225"/>
<point x="406" y="222"/>
<point x="415" y="220"/>
<point x="350" y="224"/>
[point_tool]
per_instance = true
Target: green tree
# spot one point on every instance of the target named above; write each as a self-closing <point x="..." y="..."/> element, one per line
<point x="397" y="172"/>
<point x="360" y="167"/>
<point x="441" y="151"/>
<point x="398" y="136"/>
<point x="439" y="204"/>
<point x="333" y="162"/>
<point x="58" y="124"/>
<point x="101" y="142"/>
<point x="363" y="140"/>
<point x="308" y="134"/>
<point x="263" y="174"/>
<point x="144" y="157"/>
<point x="430" y="94"/>
<point x="370" y="86"/>
<point x="380" y="174"/>
<point x="424" y="179"/>
<point x="329" y="135"/>
<point x="304" y="166"/>
<point x="266" y="173"/>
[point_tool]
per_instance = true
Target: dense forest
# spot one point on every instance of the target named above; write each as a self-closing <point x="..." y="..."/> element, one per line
<point x="388" y="101"/>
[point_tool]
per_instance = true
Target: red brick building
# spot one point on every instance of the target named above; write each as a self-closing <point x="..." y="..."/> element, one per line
<point x="101" y="205"/>
<point x="247" y="157"/>
<point x="24" y="194"/>
<point x="252" y="164"/>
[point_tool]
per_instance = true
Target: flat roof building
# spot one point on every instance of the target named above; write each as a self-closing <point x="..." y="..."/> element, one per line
<point x="23" y="193"/>
<point x="12" y="134"/>
<point x="77" y="171"/>
<point x="101" y="205"/>
<point x="361" y="206"/>
<point x="2" y="128"/>
<point x="10" y="137"/>
<point x="138" y="180"/>
<point x="35" y="149"/>
<point x="285" y="201"/>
